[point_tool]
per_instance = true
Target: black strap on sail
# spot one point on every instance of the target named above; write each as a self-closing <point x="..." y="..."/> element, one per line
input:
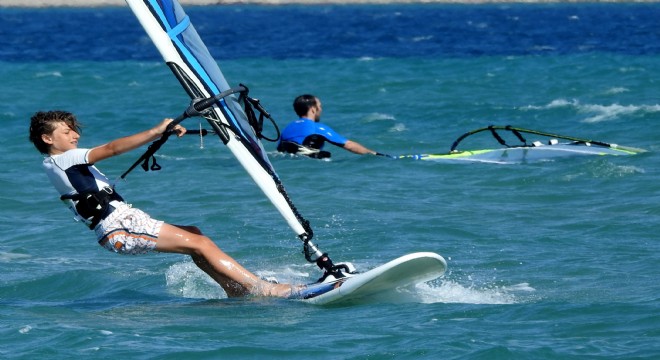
<point x="513" y="130"/>
<point x="257" y="125"/>
<point x="516" y="133"/>
<point x="197" y="108"/>
<point x="497" y="136"/>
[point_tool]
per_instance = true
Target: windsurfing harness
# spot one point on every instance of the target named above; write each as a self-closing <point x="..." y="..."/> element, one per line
<point x="94" y="206"/>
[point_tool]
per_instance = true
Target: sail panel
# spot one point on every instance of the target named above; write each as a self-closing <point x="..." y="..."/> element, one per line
<point x="183" y="35"/>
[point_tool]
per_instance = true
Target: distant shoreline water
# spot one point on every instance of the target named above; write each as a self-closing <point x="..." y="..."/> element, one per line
<point x="95" y="3"/>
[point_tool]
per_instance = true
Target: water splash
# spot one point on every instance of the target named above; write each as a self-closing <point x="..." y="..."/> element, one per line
<point x="449" y="291"/>
<point x="187" y="280"/>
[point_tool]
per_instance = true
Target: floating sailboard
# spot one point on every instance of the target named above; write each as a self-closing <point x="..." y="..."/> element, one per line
<point x="550" y="146"/>
<point x="231" y="113"/>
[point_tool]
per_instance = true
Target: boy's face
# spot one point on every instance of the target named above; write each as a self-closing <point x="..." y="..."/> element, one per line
<point x="62" y="139"/>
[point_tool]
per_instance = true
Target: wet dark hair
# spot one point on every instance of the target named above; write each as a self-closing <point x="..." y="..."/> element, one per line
<point x="303" y="103"/>
<point x="45" y="122"/>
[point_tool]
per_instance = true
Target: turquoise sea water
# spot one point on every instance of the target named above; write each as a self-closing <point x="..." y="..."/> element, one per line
<point x="547" y="260"/>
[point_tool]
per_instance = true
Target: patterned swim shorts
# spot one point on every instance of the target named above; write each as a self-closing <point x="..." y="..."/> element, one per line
<point x="128" y="231"/>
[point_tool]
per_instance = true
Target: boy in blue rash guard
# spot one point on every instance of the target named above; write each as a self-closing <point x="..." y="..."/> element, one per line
<point x="120" y="227"/>
<point x="307" y="136"/>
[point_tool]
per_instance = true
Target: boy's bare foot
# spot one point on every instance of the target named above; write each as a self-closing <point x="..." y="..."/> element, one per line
<point x="281" y="290"/>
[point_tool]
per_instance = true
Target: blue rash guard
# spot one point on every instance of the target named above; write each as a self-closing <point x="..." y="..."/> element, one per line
<point x="305" y="135"/>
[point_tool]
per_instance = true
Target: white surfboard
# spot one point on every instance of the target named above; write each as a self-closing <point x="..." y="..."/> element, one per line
<point x="384" y="280"/>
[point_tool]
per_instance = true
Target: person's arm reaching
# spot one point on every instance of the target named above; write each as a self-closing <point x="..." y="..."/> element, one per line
<point x="357" y="148"/>
<point x="128" y="143"/>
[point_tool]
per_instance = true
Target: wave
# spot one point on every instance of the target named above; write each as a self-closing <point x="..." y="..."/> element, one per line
<point x="597" y="112"/>
<point x="372" y="117"/>
<point x="57" y="74"/>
